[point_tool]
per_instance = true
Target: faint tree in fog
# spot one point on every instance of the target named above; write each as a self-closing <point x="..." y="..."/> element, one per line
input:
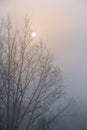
<point x="47" y="120"/>
<point x="29" y="81"/>
<point x="43" y="124"/>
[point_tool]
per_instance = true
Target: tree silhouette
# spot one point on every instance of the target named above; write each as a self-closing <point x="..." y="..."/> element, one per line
<point x="29" y="81"/>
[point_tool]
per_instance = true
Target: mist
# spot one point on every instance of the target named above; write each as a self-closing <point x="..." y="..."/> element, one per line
<point x="62" y="25"/>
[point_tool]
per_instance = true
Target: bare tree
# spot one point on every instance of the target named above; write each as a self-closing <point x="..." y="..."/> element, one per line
<point x="29" y="81"/>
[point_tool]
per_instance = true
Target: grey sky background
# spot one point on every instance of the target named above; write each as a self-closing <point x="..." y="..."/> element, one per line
<point x="63" y="26"/>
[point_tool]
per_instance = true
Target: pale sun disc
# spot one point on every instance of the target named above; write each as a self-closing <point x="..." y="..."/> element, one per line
<point x="33" y="34"/>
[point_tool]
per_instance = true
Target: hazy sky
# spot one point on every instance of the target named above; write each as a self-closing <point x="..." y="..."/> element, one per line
<point x="63" y="25"/>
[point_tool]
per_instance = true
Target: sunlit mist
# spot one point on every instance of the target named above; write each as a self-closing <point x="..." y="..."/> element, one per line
<point x="61" y="26"/>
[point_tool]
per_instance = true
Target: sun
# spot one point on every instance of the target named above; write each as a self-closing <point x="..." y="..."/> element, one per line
<point x="33" y="34"/>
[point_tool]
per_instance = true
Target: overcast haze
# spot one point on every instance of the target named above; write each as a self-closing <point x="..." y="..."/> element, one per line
<point x="63" y="26"/>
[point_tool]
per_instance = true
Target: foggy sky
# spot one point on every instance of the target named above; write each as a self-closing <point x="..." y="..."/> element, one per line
<point x="63" y="26"/>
